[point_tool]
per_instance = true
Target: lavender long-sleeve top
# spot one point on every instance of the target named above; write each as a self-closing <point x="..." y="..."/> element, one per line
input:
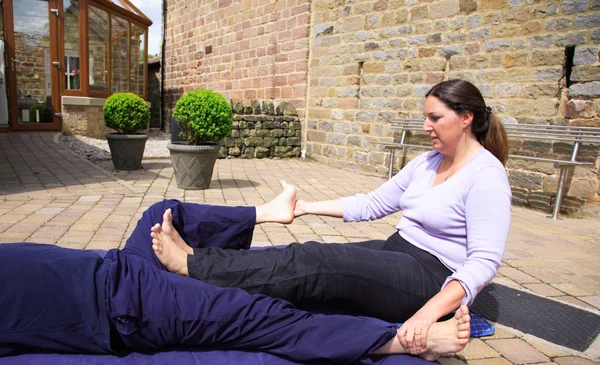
<point x="464" y="221"/>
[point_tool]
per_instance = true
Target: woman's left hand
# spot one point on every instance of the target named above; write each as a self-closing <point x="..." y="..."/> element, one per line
<point x="413" y="333"/>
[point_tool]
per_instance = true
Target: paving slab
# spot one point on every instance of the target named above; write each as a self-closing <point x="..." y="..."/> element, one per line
<point x="48" y="194"/>
<point x="477" y="349"/>
<point x="518" y="351"/>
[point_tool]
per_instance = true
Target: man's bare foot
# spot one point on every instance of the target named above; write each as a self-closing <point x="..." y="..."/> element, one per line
<point x="169" y="230"/>
<point x="449" y="336"/>
<point x="280" y="209"/>
<point x="168" y="252"/>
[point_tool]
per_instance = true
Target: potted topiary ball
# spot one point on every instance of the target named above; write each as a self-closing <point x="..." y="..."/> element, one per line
<point x="127" y="113"/>
<point x="40" y="113"/>
<point x="204" y="117"/>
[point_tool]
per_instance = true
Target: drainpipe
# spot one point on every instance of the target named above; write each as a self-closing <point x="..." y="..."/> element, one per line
<point x="162" y="65"/>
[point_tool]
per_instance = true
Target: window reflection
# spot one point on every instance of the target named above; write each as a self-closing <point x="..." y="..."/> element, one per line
<point x="138" y="55"/>
<point x="120" y="34"/>
<point x="72" y="65"/>
<point x="98" y="46"/>
<point x="32" y="62"/>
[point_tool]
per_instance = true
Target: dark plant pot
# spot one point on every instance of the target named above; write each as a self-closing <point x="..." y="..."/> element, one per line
<point x="193" y="165"/>
<point x="175" y="131"/>
<point x="126" y="150"/>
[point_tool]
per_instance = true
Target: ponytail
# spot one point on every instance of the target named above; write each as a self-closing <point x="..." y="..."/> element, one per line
<point x="495" y="140"/>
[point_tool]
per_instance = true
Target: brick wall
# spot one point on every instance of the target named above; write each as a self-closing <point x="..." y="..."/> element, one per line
<point x="246" y="50"/>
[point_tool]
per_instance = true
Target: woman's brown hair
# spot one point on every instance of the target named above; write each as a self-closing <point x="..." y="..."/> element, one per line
<point x="462" y="96"/>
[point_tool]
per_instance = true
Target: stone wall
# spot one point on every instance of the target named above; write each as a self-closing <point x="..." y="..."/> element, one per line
<point x="373" y="61"/>
<point x="263" y="129"/>
<point x="85" y="120"/>
<point x="247" y="49"/>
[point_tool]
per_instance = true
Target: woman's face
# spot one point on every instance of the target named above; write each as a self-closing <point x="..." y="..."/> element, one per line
<point x="445" y="127"/>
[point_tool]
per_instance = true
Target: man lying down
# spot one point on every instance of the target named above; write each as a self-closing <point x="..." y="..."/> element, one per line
<point x="58" y="300"/>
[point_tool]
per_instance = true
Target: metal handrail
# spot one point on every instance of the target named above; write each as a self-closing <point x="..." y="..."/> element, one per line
<point x="555" y="133"/>
<point x="558" y="161"/>
<point x="546" y="126"/>
<point x="391" y="144"/>
<point x="533" y="136"/>
<point x="558" y="133"/>
<point x="573" y="134"/>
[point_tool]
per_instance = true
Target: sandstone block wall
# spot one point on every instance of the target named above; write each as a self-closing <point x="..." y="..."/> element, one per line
<point x="85" y="120"/>
<point x="373" y="60"/>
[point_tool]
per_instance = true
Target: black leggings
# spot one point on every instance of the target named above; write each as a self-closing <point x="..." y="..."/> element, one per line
<point x="389" y="279"/>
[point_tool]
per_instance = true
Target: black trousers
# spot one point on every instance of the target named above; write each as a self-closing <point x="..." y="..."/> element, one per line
<point x="389" y="279"/>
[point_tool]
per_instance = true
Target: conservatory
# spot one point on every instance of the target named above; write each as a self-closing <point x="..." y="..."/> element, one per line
<point x="61" y="59"/>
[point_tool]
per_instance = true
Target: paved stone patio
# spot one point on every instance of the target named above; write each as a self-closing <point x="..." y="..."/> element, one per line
<point x="50" y="195"/>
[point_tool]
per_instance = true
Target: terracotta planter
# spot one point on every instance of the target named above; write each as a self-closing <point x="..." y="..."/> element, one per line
<point x="193" y="165"/>
<point x="127" y="150"/>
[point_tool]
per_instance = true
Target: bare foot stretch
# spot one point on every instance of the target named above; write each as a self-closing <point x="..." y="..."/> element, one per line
<point x="168" y="252"/>
<point x="280" y="209"/>
<point x="449" y="336"/>
<point x="169" y="230"/>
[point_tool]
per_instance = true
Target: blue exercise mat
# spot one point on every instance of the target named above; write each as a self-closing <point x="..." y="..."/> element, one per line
<point x="186" y="357"/>
<point x="479" y="327"/>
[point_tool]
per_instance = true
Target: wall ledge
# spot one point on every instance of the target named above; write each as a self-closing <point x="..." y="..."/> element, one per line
<point x="82" y="100"/>
<point x="88" y="101"/>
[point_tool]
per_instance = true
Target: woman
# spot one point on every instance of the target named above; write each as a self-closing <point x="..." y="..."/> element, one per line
<point x="456" y="210"/>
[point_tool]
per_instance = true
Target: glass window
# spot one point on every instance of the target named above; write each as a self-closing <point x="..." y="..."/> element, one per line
<point x="138" y="55"/>
<point x="71" y="65"/>
<point x="120" y="34"/>
<point x="98" y="45"/>
<point x="32" y="67"/>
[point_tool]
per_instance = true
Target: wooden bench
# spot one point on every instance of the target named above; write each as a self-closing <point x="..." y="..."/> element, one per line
<point x="572" y="135"/>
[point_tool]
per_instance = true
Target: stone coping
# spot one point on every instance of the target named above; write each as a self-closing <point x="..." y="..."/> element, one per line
<point x="87" y="101"/>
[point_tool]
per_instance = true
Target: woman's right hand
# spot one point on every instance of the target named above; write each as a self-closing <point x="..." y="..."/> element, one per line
<point x="413" y="333"/>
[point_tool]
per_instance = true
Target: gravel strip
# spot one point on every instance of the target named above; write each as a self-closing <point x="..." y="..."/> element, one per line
<point x="97" y="149"/>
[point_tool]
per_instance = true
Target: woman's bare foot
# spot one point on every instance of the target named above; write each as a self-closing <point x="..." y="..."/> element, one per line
<point x="168" y="252"/>
<point x="443" y="338"/>
<point x="449" y="336"/>
<point x="169" y="230"/>
<point x="280" y="209"/>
